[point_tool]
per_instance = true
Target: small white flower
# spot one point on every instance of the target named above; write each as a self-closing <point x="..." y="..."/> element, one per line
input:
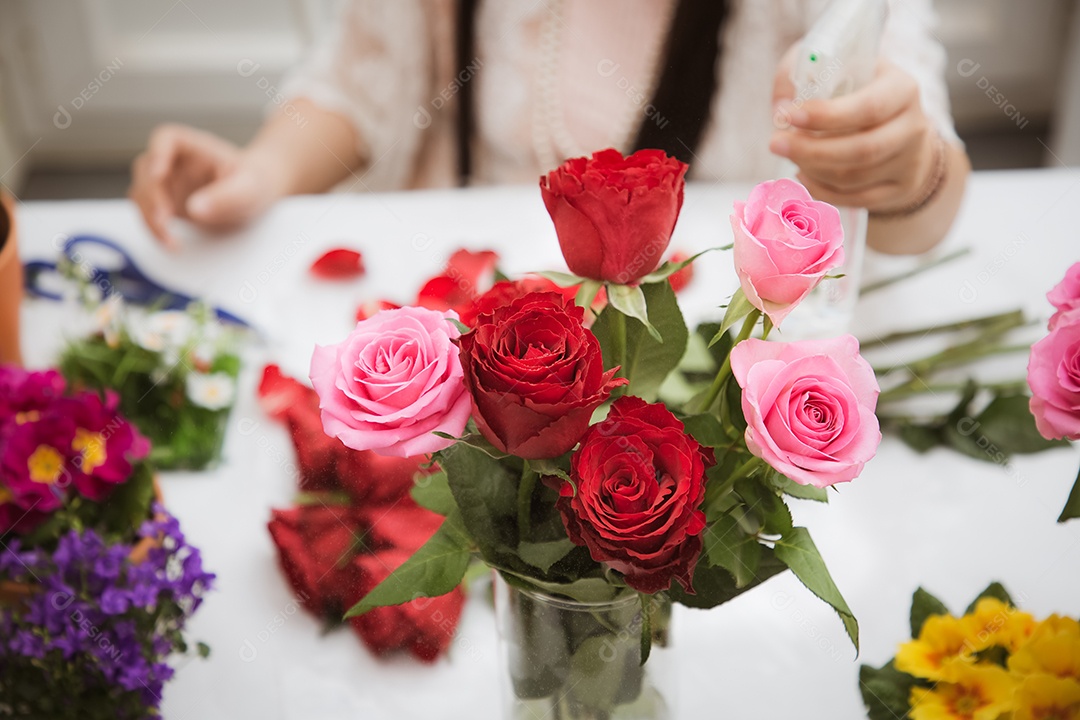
<point x="108" y="318"/>
<point x="166" y="329"/>
<point x="213" y="391"/>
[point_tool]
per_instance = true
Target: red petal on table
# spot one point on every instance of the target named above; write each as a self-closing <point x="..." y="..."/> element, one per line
<point x="278" y="392"/>
<point x="679" y="280"/>
<point x="474" y="271"/>
<point x="339" y="263"/>
<point x="444" y="293"/>
<point x="371" y="307"/>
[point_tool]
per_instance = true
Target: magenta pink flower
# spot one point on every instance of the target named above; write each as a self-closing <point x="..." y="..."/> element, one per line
<point x="26" y="392"/>
<point x="1054" y="378"/>
<point x="785" y="243"/>
<point x="36" y="462"/>
<point x="104" y="445"/>
<point x="393" y="382"/>
<point x="809" y="407"/>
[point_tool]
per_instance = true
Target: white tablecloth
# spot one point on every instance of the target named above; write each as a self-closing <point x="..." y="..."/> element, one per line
<point x="940" y="520"/>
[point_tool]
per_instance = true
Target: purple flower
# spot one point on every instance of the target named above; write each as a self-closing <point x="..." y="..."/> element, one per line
<point x="99" y="620"/>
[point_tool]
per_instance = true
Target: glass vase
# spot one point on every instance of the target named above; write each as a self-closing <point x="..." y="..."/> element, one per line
<point x="561" y="659"/>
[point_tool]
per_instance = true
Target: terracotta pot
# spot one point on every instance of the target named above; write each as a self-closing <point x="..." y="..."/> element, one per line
<point x="15" y="592"/>
<point x="11" y="284"/>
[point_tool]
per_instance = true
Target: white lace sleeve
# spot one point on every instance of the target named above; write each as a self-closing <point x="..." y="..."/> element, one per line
<point x="374" y="68"/>
<point x="911" y="43"/>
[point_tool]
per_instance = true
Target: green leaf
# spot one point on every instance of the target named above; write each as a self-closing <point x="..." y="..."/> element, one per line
<point x="485" y="491"/>
<point x="727" y="546"/>
<point x="129" y="505"/>
<point x="707" y="430"/>
<point x="804" y="492"/>
<point x="1072" y="505"/>
<point x="647" y="362"/>
<point x="433" y="570"/>
<point x="545" y="554"/>
<point x="798" y="552"/>
<point x="670" y="268"/>
<point x="586" y="590"/>
<point x="714" y="585"/>
<point x="737" y="309"/>
<point x="202" y="649"/>
<point x="920" y="438"/>
<point x="433" y="492"/>
<point x="562" y="279"/>
<point x="630" y="301"/>
<point x="886" y="692"/>
<point x="994" y="590"/>
<point x="923" y="605"/>
<point x="1007" y="424"/>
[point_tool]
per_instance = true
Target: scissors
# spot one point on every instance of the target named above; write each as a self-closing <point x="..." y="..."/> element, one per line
<point x="118" y="273"/>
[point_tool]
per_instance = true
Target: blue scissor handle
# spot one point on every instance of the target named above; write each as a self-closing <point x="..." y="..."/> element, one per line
<point x="128" y="280"/>
<point x="32" y="270"/>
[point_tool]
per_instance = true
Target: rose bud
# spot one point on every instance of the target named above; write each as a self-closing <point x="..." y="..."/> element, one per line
<point x="614" y="216"/>
<point x="535" y="375"/>
<point x="785" y="243"/>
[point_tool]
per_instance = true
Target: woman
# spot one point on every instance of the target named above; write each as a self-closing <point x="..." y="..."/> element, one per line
<point x="427" y="93"/>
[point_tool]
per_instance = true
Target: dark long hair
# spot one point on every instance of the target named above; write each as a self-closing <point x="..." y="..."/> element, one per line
<point x="679" y="109"/>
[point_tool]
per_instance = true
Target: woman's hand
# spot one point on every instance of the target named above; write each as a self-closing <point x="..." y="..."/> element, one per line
<point x="194" y="175"/>
<point x="874" y="148"/>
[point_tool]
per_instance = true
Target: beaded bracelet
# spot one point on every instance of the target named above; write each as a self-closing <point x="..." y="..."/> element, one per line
<point x="932" y="188"/>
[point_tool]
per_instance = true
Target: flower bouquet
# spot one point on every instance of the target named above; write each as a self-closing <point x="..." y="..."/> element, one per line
<point x="993" y="662"/>
<point x="174" y="371"/>
<point x="96" y="580"/>
<point x="597" y="504"/>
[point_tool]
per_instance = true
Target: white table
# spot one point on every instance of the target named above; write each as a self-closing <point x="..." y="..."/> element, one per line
<point x="940" y="520"/>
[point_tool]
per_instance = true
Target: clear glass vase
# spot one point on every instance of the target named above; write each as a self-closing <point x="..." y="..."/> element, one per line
<point x="566" y="660"/>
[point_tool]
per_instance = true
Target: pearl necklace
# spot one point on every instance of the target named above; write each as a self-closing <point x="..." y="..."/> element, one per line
<point x="552" y="141"/>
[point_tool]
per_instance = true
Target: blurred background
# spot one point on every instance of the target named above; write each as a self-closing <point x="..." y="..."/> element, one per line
<point x="82" y="82"/>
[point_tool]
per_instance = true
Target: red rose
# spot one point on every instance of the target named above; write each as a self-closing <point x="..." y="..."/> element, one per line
<point x="680" y="278"/>
<point x="614" y="216"/>
<point x="424" y="626"/>
<point x="639" y="480"/>
<point x="535" y="375"/>
<point x="506" y="291"/>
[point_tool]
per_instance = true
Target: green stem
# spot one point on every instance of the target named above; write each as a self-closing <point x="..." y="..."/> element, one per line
<point x="912" y="389"/>
<point x="951" y="357"/>
<point x="724" y="372"/>
<point x="618" y="341"/>
<point x="1012" y="317"/>
<point x="871" y="287"/>
<point x="524" y="501"/>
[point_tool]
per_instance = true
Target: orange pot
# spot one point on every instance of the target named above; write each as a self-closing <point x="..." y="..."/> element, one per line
<point x="11" y="284"/>
<point x="12" y="593"/>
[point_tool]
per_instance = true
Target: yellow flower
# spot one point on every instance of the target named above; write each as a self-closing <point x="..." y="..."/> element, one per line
<point x="1053" y="648"/>
<point x="1042" y="697"/>
<point x="981" y="692"/>
<point x="994" y="623"/>
<point x="45" y="464"/>
<point x="942" y="644"/>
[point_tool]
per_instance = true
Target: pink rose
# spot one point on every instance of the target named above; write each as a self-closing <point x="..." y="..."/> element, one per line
<point x="1054" y="377"/>
<point x="809" y="407"/>
<point x="1066" y="294"/>
<point x="392" y="383"/>
<point x="785" y="242"/>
